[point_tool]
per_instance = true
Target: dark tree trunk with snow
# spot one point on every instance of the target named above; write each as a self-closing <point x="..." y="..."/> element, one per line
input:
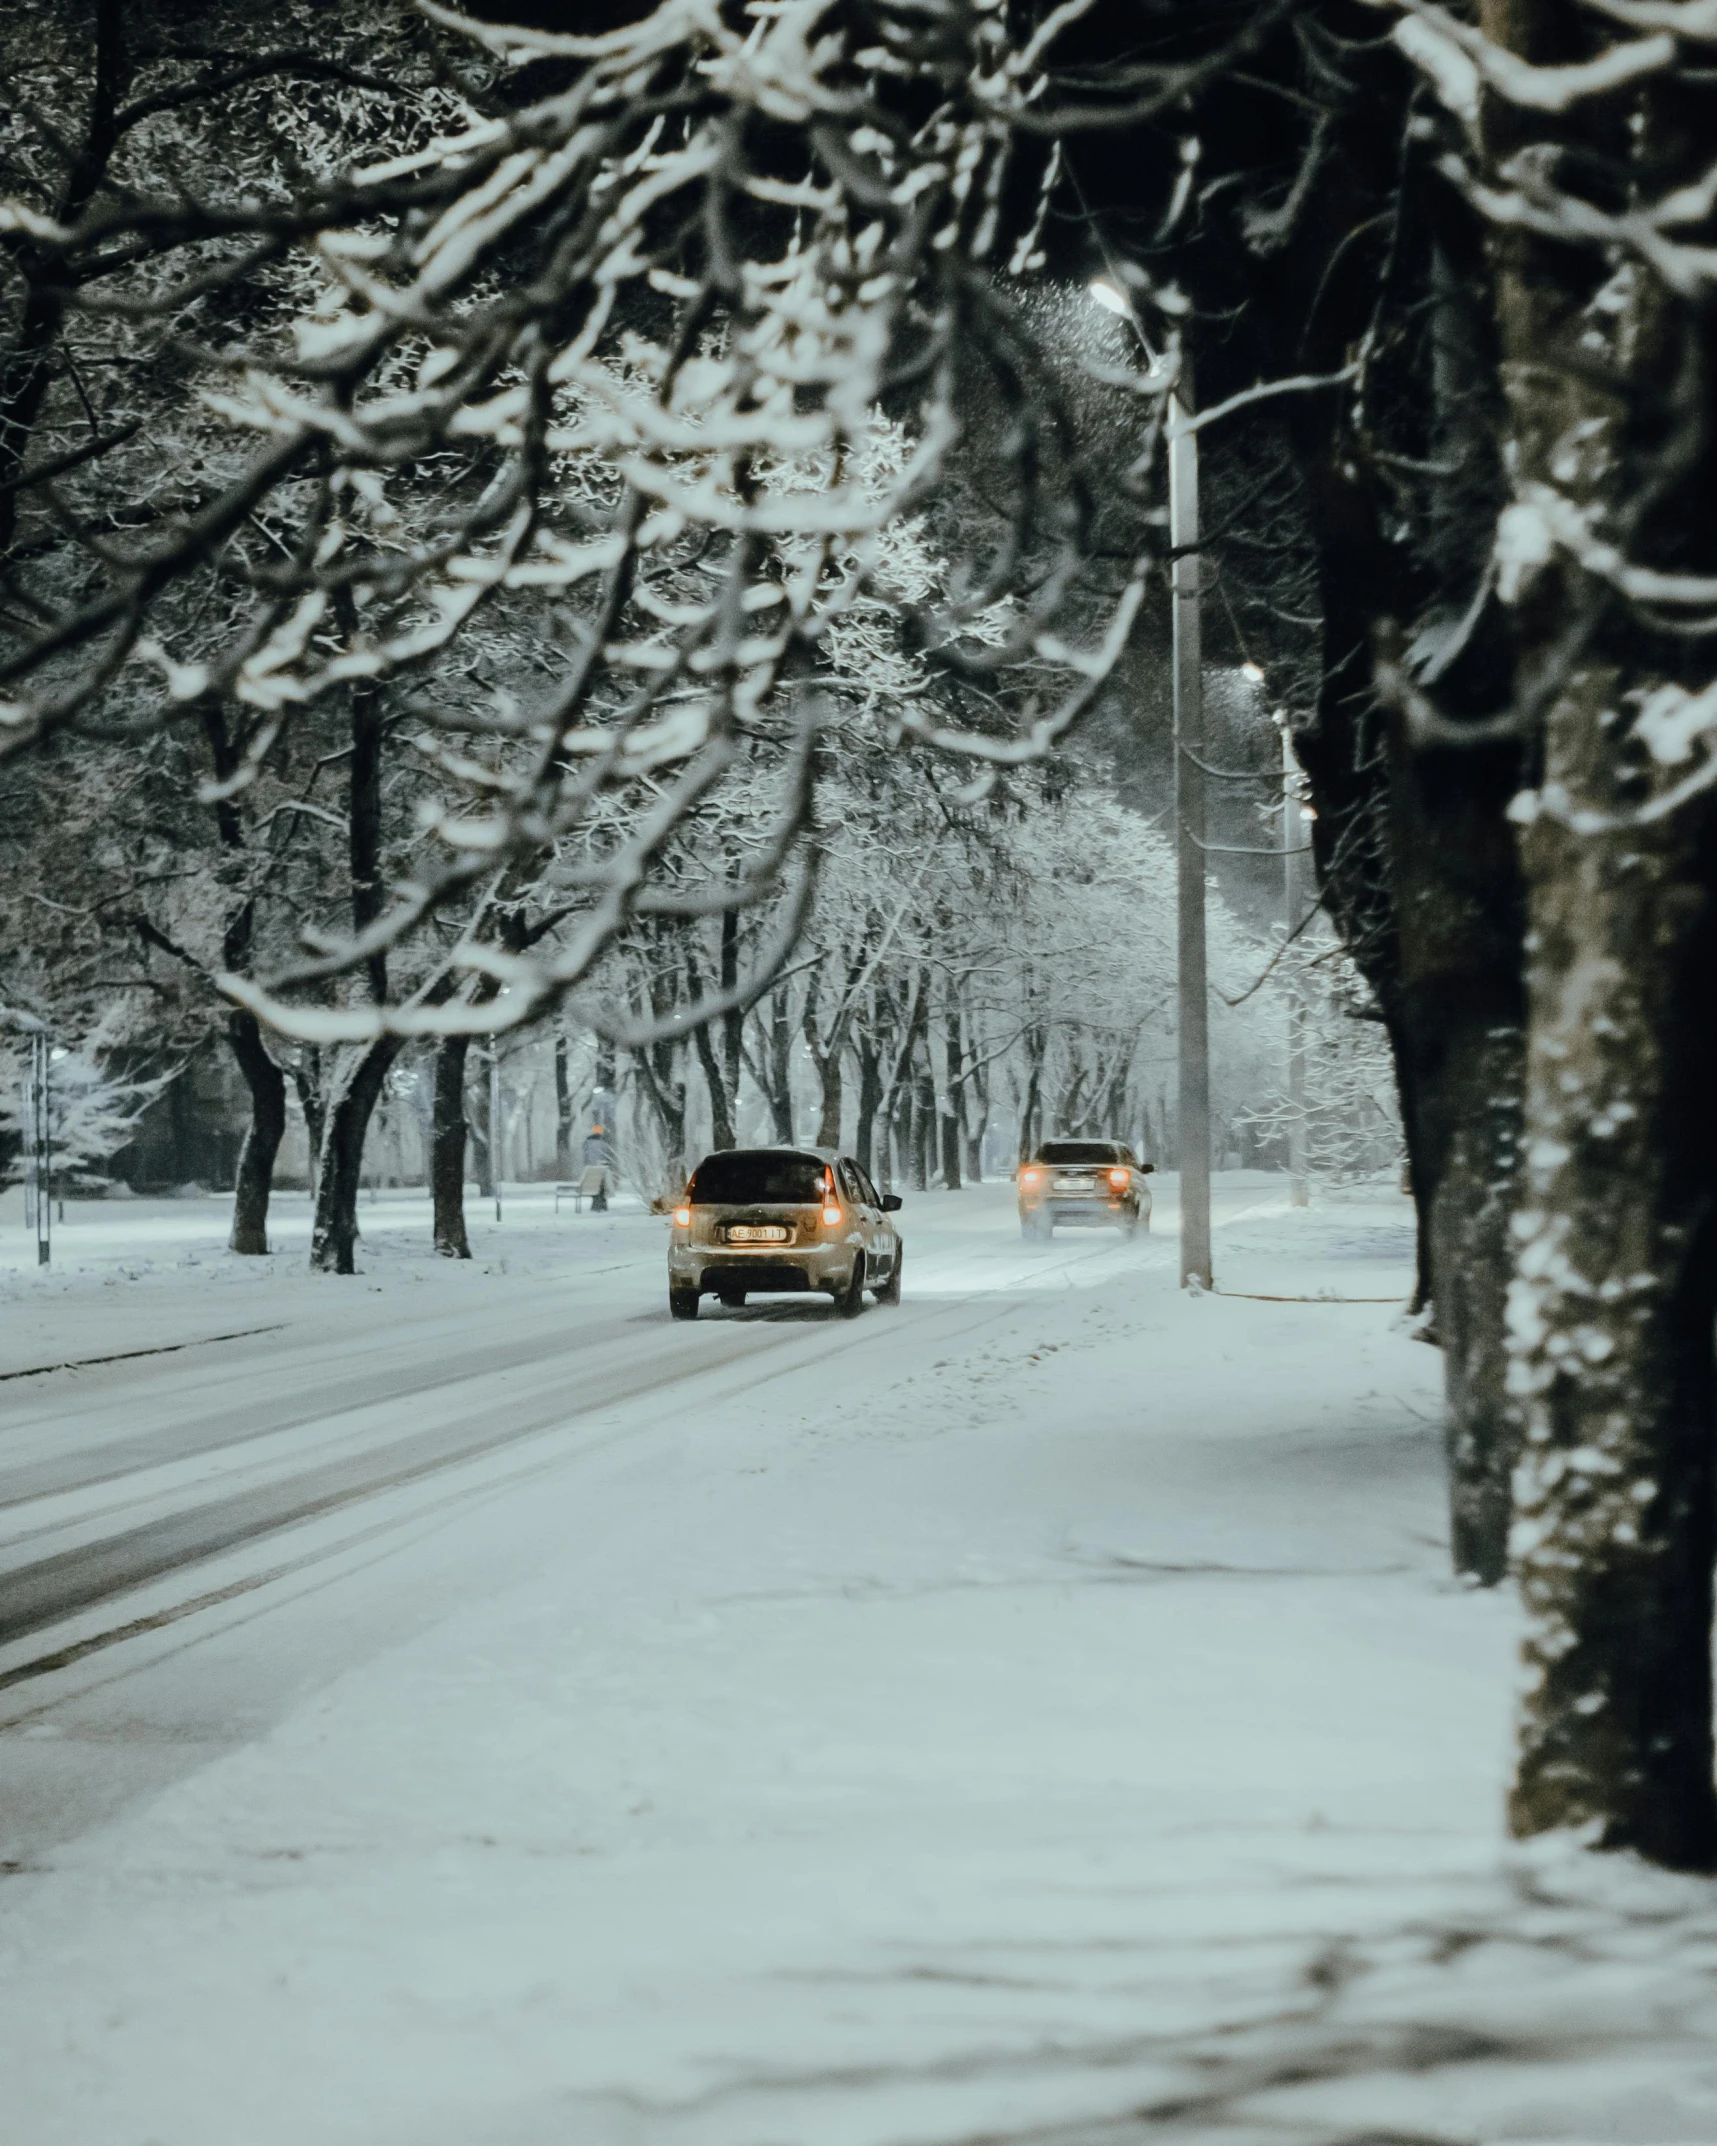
<point x="334" y="1233"/>
<point x="1419" y="868"/>
<point x="1459" y="1005"/>
<point x="1612" y="1316"/>
<point x="1615" y="1273"/>
<point x="267" y="1127"/>
<point x="264" y="1081"/>
<point x="447" y="1148"/>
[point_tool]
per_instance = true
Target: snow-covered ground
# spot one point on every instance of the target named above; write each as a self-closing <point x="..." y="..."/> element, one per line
<point x="466" y="1710"/>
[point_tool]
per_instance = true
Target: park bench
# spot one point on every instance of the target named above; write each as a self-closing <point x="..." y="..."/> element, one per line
<point x="585" y="1186"/>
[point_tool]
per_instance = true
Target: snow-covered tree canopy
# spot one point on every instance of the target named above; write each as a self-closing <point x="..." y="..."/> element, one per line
<point x="614" y="362"/>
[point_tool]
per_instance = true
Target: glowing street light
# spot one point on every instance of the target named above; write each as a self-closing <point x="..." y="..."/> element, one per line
<point x="1115" y="301"/>
<point x="1253" y="673"/>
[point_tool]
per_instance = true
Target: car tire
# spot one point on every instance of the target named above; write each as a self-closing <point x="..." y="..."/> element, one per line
<point x="850" y="1301"/>
<point x="1035" y="1230"/>
<point x="682" y="1303"/>
<point x="889" y="1292"/>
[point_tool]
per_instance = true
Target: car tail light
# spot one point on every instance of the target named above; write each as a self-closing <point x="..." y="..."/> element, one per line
<point x="831" y="1218"/>
<point x="1117" y="1177"/>
<point x="683" y="1217"/>
<point x="1029" y="1177"/>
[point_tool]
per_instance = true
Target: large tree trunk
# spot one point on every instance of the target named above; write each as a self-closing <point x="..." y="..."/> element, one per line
<point x="1460" y="1017"/>
<point x="1424" y="883"/>
<point x="1477" y="1101"/>
<point x="447" y="1149"/>
<point x="1615" y="1273"/>
<point x="334" y="1234"/>
<point x="267" y="1127"/>
<point x="1611" y="1313"/>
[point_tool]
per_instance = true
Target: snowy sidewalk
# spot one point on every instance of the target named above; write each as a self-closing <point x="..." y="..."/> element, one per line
<point x="1051" y="1721"/>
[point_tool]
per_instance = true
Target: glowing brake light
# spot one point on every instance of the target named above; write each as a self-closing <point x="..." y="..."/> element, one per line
<point x="1029" y="1177"/>
<point x="683" y="1217"/>
<point x="1117" y="1177"/>
<point x="831" y="1218"/>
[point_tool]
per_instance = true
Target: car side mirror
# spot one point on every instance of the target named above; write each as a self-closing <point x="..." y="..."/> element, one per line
<point x="891" y="1203"/>
<point x="1146" y="1169"/>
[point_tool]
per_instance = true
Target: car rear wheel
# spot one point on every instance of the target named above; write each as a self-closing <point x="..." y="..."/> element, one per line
<point x="683" y="1303"/>
<point x="850" y="1302"/>
<point x="889" y="1292"/>
<point x="1035" y="1229"/>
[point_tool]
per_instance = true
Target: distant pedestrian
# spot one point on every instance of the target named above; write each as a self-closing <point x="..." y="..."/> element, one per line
<point x="596" y="1156"/>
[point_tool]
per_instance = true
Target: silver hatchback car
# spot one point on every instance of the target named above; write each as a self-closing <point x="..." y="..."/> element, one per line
<point x="756" y="1220"/>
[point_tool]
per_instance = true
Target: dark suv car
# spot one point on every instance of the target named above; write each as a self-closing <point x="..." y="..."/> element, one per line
<point x="1083" y="1181"/>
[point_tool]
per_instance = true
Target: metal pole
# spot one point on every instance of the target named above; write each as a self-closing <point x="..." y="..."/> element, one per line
<point x="1293" y="842"/>
<point x="1195" y="1269"/>
<point x="495" y="1125"/>
<point x="27" y="1135"/>
<point x="42" y="1140"/>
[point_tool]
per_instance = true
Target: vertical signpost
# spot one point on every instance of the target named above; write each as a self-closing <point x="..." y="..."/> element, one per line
<point x="1195" y="1267"/>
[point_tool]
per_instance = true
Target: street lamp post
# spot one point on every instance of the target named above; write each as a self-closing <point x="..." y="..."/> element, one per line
<point x="1188" y="665"/>
<point x="495" y="1136"/>
<point x="1194" y="996"/>
<point x="39" y="1140"/>
<point x="1293" y="884"/>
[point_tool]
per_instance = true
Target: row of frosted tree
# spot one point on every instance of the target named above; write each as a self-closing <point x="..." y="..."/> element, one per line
<point x="556" y="462"/>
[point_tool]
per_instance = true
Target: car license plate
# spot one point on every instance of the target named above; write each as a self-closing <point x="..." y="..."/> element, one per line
<point x="1073" y="1184"/>
<point x="756" y="1233"/>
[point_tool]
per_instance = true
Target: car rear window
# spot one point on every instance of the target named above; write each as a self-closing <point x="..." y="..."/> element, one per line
<point x="739" y="1179"/>
<point x="1079" y="1151"/>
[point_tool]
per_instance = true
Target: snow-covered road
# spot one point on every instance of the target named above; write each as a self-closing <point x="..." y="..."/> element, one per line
<point x="156" y="1450"/>
<point x="469" y="1710"/>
